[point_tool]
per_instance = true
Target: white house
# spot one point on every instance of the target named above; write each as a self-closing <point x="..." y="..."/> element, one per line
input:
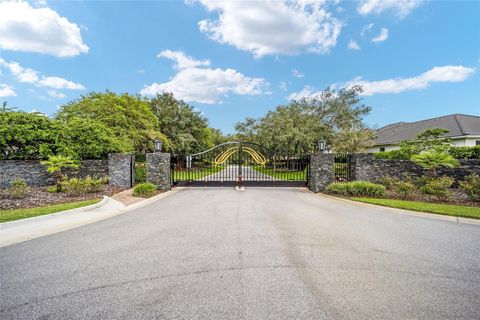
<point x="464" y="130"/>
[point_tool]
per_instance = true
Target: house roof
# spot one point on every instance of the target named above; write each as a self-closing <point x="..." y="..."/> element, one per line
<point x="457" y="124"/>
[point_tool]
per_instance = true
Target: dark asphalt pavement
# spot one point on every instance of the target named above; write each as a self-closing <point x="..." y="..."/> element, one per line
<point x="257" y="254"/>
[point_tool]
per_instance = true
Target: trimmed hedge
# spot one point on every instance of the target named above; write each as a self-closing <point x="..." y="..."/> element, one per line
<point x="456" y="152"/>
<point x="356" y="188"/>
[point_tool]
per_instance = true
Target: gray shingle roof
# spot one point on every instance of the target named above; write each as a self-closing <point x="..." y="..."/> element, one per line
<point x="457" y="124"/>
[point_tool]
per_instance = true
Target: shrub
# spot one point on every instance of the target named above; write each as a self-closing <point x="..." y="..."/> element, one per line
<point x="145" y="190"/>
<point x="140" y="172"/>
<point x="471" y="186"/>
<point x="52" y="189"/>
<point x="432" y="160"/>
<point x="387" y="181"/>
<point x="404" y="188"/>
<point x="337" y="188"/>
<point x="78" y="186"/>
<point x="18" y="189"/>
<point x="438" y="187"/>
<point x="357" y="188"/>
<point x="465" y="152"/>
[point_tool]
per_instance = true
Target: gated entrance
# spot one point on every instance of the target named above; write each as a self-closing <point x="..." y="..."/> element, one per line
<point x="239" y="163"/>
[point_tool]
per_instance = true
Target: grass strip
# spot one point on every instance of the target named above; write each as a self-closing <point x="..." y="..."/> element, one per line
<point x="16" y="214"/>
<point x="438" y="208"/>
<point x="196" y="173"/>
<point x="282" y="175"/>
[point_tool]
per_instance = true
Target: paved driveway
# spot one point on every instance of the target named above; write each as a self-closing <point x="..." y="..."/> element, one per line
<point x="258" y="254"/>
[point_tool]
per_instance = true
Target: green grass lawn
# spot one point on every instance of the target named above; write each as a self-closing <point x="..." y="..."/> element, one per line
<point x="196" y="173"/>
<point x="282" y="175"/>
<point x="15" y="214"/>
<point x="438" y="208"/>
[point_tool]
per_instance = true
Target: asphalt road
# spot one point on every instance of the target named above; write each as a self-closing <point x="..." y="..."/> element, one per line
<point x="257" y="254"/>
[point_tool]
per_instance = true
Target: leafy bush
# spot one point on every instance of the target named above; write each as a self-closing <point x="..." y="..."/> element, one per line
<point x="433" y="159"/>
<point x="471" y="186"/>
<point x="357" y="188"/>
<point x="438" y="187"/>
<point x="404" y="188"/>
<point x="140" y="172"/>
<point x="55" y="164"/>
<point x="387" y="181"/>
<point x="145" y="190"/>
<point x="32" y="136"/>
<point x="18" y="189"/>
<point x="52" y="189"/>
<point x="78" y="186"/>
<point x="465" y="152"/>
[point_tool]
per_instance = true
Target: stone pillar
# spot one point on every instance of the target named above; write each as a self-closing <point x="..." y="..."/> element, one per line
<point x="321" y="171"/>
<point x="158" y="170"/>
<point x="121" y="172"/>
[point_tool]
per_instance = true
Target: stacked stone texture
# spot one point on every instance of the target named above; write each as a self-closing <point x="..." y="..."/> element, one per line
<point x="120" y="170"/>
<point x="158" y="170"/>
<point x="321" y="171"/>
<point x="35" y="174"/>
<point x="368" y="168"/>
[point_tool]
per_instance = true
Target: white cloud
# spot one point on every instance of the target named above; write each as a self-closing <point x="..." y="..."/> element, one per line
<point x="42" y="30"/>
<point x="306" y="92"/>
<point x="182" y="61"/>
<point x="382" y="36"/>
<point x="283" y="85"/>
<point x="424" y="80"/>
<point x="352" y="44"/>
<point x="55" y="94"/>
<point x="400" y="7"/>
<point x="396" y="85"/>
<point x="27" y="75"/>
<point x="297" y="74"/>
<point x="60" y="83"/>
<point x="366" y="29"/>
<point x="206" y="85"/>
<point x="272" y="27"/>
<point x="6" y="91"/>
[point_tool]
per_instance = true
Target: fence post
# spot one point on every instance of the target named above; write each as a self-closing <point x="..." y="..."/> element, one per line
<point x="159" y="170"/>
<point x="120" y="169"/>
<point x="321" y="171"/>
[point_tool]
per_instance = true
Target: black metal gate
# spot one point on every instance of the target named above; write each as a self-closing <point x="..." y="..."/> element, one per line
<point x="239" y="163"/>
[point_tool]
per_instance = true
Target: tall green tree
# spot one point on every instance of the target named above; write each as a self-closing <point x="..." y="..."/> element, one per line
<point x="335" y="116"/>
<point x="33" y="136"/>
<point x="130" y="117"/>
<point x="185" y="127"/>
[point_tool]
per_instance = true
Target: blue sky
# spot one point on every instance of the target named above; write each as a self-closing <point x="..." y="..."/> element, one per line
<point x="415" y="59"/>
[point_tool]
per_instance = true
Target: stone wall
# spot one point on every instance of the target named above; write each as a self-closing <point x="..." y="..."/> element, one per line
<point x="158" y="170"/>
<point x="36" y="174"/>
<point x="120" y="169"/>
<point x="321" y="171"/>
<point x="367" y="167"/>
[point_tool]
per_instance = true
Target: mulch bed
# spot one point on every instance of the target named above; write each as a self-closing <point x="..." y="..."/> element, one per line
<point x="39" y="196"/>
<point x="457" y="197"/>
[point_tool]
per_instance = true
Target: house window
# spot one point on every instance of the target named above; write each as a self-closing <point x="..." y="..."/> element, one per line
<point x="382" y="149"/>
<point x="477" y="143"/>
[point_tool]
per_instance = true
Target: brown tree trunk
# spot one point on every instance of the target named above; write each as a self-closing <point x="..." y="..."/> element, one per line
<point x="58" y="180"/>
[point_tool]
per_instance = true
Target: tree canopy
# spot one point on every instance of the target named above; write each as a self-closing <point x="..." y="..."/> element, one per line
<point x="130" y="117"/>
<point x="334" y="116"/>
<point x="186" y="128"/>
<point x="32" y="136"/>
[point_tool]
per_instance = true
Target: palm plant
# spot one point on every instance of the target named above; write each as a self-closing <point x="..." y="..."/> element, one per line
<point x="55" y="164"/>
<point x="434" y="159"/>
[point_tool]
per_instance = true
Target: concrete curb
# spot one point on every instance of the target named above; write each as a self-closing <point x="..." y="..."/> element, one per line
<point x="99" y="204"/>
<point x="427" y="215"/>
<point x="36" y="227"/>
